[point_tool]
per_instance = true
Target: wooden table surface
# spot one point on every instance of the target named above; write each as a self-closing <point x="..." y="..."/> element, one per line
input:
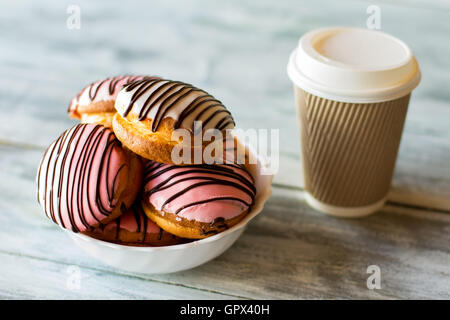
<point x="237" y="51"/>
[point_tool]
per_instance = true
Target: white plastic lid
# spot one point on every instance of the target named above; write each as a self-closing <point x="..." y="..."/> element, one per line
<point x="353" y="65"/>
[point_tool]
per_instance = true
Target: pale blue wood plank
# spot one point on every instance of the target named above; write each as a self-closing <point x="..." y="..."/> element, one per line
<point x="30" y="278"/>
<point x="236" y="50"/>
<point x="289" y="251"/>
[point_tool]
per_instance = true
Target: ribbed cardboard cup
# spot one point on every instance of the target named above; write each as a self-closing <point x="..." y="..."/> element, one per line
<point x="349" y="151"/>
<point x="351" y="122"/>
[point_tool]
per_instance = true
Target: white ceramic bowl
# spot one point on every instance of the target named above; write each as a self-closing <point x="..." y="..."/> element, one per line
<point x="151" y="260"/>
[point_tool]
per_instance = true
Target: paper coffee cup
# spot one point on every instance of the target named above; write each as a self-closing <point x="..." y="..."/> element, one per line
<point x="352" y="88"/>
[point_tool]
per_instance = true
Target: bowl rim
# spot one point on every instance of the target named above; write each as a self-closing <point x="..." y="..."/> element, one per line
<point x="263" y="196"/>
<point x="242" y="224"/>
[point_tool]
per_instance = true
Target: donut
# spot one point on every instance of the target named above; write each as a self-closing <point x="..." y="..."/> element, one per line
<point x="86" y="178"/>
<point x="150" y="109"/>
<point x="134" y="228"/>
<point x="95" y="102"/>
<point x="196" y="201"/>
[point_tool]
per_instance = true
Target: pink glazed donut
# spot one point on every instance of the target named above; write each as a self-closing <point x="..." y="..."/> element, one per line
<point x="86" y="178"/>
<point x="197" y="201"/>
<point x="134" y="228"/>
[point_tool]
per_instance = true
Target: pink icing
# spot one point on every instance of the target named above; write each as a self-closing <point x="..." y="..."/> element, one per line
<point x="102" y="90"/>
<point x="128" y="222"/>
<point x="178" y="182"/>
<point x="79" y="175"/>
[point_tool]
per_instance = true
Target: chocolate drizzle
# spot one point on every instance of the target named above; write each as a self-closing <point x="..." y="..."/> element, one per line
<point x="141" y="220"/>
<point x="161" y="96"/>
<point x="67" y="168"/>
<point x="138" y="215"/>
<point x="217" y="224"/>
<point x="231" y="175"/>
<point x="94" y="88"/>
<point x="209" y="232"/>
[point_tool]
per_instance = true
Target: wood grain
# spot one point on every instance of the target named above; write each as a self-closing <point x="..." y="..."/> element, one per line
<point x="236" y="50"/>
<point x="36" y="278"/>
<point x="289" y="251"/>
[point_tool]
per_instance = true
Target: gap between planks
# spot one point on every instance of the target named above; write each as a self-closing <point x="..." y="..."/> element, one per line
<point x="388" y="202"/>
<point x="124" y="274"/>
<point x="30" y="146"/>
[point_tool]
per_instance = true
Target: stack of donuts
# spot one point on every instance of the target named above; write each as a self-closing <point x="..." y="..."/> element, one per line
<point x="112" y="176"/>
